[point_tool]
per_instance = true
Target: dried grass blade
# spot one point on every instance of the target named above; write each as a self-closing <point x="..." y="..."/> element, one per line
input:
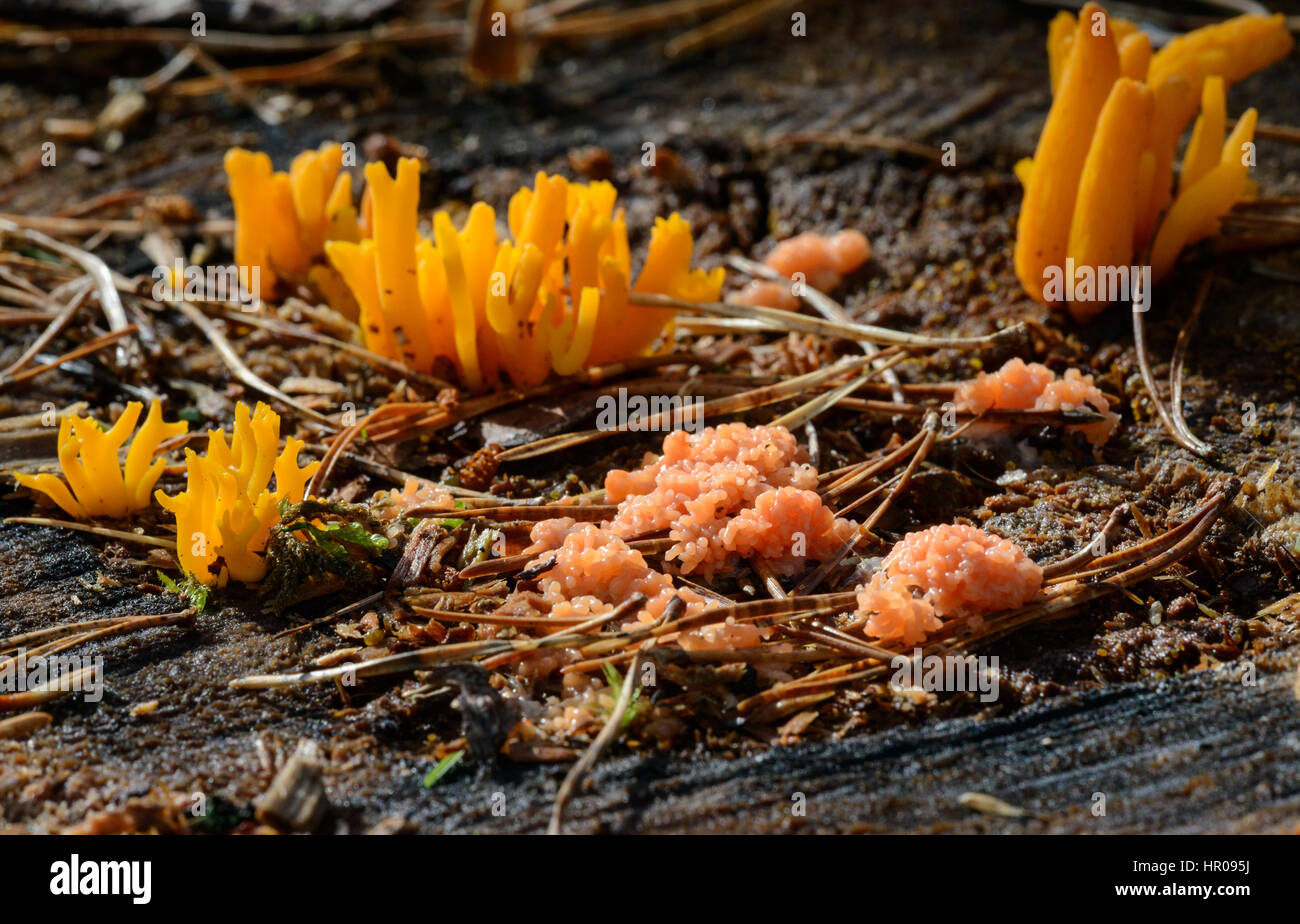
<point x="239" y="369"/>
<point x="591" y="513"/>
<point x="828" y="308"/>
<point x="1180" y="354"/>
<point x="801" y="323"/>
<point x="96" y="530"/>
<point x="1186" y="440"/>
<point x="128" y="353"/>
<point x="92" y="346"/>
<point x="732" y="404"/>
<point x="52" y="330"/>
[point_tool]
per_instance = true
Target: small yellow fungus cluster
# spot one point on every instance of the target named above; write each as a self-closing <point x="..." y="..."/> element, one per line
<point x="553" y="298"/>
<point x="227" y="509"/>
<point x="88" y="457"/>
<point x="1102" y="175"/>
<point x="282" y="220"/>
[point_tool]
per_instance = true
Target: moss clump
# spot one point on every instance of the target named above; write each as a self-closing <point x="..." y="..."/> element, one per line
<point x="320" y="548"/>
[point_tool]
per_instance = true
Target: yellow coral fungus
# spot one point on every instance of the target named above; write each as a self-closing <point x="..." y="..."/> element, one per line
<point x="1204" y="148"/>
<point x="554" y="297"/>
<point x="282" y="220"/>
<point x="1042" y="233"/>
<point x="1101" y="229"/>
<point x="1195" y="213"/>
<point x="88" y="459"/>
<point x="227" y="509"/>
<point x="1099" y="188"/>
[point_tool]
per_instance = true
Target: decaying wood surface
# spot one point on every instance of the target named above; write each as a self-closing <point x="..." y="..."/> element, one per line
<point x="757" y="138"/>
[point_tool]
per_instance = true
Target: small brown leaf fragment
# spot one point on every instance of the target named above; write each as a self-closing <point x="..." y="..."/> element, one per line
<point x="168" y="208"/>
<point x="499" y="50"/>
<point x="155" y="813"/>
<point x="69" y="129"/>
<point x="295" y="800"/>
<point x="122" y="111"/>
<point x="990" y="805"/>
<point x="21" y="725"/>
<point x="478" y="472"/>
<point x="312" y="385"/>
<point x="797" y="725"/>
<point x="594" y="163"/>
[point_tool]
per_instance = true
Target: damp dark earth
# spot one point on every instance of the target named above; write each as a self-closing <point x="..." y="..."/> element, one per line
<point x="1169" y="705"/>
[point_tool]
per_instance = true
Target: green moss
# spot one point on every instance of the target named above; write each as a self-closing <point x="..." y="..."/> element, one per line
<point x="188" y="588"/>
<point x="319" y="548"/>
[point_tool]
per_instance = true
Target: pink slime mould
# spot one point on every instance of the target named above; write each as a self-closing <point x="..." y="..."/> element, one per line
<point x="414" y="493"/>
<point x="821" y="260"/>
<point x="711" y="489"/>
<point x="726" y="492"/>
<point x="595" y="570"/>
<point x="946" y="571"/>
<point x="1020" y="386"/>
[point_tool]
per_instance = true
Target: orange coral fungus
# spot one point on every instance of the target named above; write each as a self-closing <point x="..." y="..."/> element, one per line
<point x="1102" y="175"/>
<point x="88" y="460"/>
<point x="552" y="298"/>
<point x="1020" y="386"/>
<point x="819" y="260"/>
<point x="944" y="572"/>
<point x="282" y="220"/>
<point x="227" y="509"/>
